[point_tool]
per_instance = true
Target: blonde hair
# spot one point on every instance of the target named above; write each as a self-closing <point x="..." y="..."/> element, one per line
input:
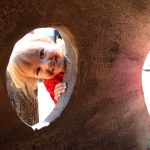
<point x="24" y="84"/>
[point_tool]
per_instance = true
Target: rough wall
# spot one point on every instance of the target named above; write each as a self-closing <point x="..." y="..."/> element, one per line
<point x="107" y="108"/>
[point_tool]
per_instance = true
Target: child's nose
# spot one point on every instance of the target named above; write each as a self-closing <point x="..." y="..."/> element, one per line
<point x="48" y="63"/>
<point x="45" y="63"/>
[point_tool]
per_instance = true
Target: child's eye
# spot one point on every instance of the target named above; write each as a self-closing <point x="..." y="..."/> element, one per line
<point x="42" y="53"/>
<point x="38" y="71"/>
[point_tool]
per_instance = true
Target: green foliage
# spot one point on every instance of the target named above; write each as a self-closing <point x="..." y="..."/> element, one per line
<point x="148" y="144"/>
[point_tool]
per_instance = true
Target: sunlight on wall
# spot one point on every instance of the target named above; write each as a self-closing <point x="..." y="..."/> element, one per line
<point x="46" y="104"/>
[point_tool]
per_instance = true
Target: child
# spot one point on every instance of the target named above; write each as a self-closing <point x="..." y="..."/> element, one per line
<point x="35" y="57"/>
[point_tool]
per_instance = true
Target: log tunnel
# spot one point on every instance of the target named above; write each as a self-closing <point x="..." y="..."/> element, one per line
<point x="107" y="108"/>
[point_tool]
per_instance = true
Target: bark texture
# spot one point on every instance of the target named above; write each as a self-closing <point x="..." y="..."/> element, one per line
<point x="26" y="109"/>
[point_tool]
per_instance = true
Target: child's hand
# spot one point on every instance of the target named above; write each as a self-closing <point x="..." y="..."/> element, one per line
<point x="59" y="89"/>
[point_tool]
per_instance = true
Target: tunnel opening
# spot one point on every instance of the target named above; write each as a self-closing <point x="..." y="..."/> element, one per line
<point x="42" y="111"/>
<point x="146" y="81"/>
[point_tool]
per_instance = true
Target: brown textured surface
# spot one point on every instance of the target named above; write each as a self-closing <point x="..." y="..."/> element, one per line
<point x="107" y="109"/>
<point x="25" y="108"/>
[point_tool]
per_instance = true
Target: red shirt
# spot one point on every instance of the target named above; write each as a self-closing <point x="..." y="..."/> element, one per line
<point x="50" y="84"/>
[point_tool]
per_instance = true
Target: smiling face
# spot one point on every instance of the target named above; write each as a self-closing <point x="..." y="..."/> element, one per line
<point x="42" y="60"/>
